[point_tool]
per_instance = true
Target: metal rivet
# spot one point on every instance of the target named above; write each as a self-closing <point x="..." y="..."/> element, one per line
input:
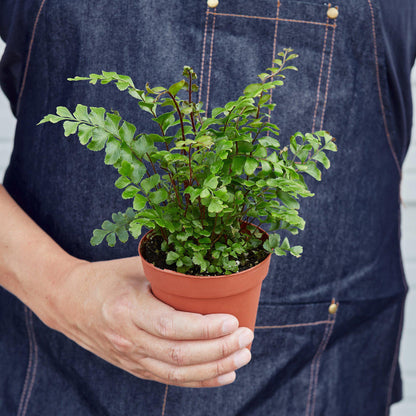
<point x="212" y="3"/>
<point x="332" y="12"/>
<point x="333" y="307"/>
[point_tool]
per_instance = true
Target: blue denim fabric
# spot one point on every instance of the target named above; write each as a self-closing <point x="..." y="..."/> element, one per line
<point x="305" y="361"/>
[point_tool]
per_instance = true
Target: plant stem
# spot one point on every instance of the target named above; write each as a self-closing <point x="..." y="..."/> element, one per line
<point x="150" y="160"/>
<point x="161" y="129"/>
<point x="218" y="238"/>
<point x="190" y="102"/>
<point x="179" y="113"/>
<point x="187" y="198"/>
<point x="190" y="164"/>
<point x="202" y="211"/>
<point x="257" y="134"/>
<point x="174" y="186"/>
<point x="215" y="224"/>
<point x="258" y="104"/>
<point x="164" y="236"/>
<point x="228" y="118"/>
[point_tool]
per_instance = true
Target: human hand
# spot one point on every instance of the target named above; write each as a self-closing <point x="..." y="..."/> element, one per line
<point x="108" y="308"/>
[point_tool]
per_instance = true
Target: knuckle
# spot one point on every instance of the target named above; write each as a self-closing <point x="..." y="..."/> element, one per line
<point x="219" y="369"/>
<point x="164" y="326"/>
<point x="128" y="365"/>
<point x="206" y="383"/>
<point x="175" y="376"/>
<point x="207" y="331"/>
<point x="176" y="355"/>
<point x="146" y="375"/>
<point x="225" y="349"/>
<point x="136" y="367"/>
<point x="118" y="309"/>
<point x="120" y="343"/>
<point x="131" y="367"/>
<point x="141" y="351"/>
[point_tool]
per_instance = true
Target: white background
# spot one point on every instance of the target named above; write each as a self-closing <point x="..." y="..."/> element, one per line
<point x="408" y="350"/>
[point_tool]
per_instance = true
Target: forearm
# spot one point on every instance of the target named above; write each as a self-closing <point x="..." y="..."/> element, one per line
<point x="31" y="263"/>
<point x="108" y="308"/>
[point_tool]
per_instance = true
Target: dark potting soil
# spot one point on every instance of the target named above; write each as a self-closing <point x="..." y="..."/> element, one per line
<point x="152" y="253"/>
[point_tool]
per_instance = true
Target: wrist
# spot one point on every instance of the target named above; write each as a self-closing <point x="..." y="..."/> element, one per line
<point x="46" y="300"/>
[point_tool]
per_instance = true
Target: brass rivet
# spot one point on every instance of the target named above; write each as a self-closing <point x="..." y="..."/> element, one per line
<point x="333" y="307"/>
<point x="212" y="3"/>
<point x="332" y="13"/>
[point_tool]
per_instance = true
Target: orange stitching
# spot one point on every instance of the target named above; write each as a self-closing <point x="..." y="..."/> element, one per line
<point x="31" y="333"/>
<point x="328" y="78"/>
<point x="318" y="365"/>
<point x="29" y="366"/>
<point x="203" y="57"/>
<point x="312" y="372"/>
<point x="308" y="22"/>
<point x="164" y="400"/>
<point x="274" y="51"/>
<point x="379" y="89"/>
<point x="35" y="364"/>
<point x="242" y="15"/>
<point x="320" y="78"/>
<point x="210" y="63"/>
<point x="271" y="18"/>
<point x="275" y="30"/>
<point x="293" y="325"/>
<point x="28" y="57"/>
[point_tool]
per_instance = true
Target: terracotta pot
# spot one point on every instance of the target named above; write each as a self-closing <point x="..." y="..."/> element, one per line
<point x="237" y="294"/>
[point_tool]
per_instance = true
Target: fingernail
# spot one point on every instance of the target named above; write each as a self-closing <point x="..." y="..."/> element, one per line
<point x="246" y="338"/>
<point x="226" y="378"/>
<point x="229" y="325"/>
<point x="242" y="357"/>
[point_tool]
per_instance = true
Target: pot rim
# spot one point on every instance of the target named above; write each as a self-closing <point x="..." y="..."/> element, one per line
<point x="190" y="276"/>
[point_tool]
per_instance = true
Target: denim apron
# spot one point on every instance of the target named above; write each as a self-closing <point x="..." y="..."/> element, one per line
<point x="306" y="361"/>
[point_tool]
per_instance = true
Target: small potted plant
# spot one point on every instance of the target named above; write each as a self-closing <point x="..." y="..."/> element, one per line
<point x="203" y="185"/>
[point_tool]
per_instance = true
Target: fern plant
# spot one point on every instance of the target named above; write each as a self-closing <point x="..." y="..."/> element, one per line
<point x="202" y="180"/>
